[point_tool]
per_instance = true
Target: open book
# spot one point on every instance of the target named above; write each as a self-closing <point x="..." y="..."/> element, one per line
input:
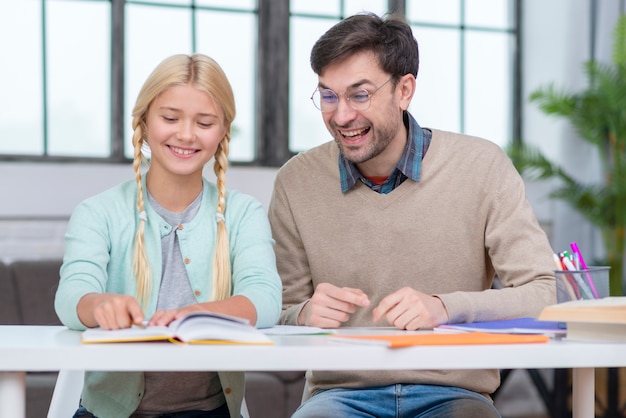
<point x="591" y="319"/>
<point x="195" y="328"/>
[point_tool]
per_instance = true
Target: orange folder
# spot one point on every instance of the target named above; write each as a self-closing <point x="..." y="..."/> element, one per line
<point x="465" y="338"/>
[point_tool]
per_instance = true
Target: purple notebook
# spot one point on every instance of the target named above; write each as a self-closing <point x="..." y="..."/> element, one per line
<point x="509" y="326"/>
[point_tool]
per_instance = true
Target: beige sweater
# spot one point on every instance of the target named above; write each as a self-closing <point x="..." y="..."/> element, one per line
<point x="466" y="220"/>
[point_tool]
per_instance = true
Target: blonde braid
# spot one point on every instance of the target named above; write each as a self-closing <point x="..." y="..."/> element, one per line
<point x="141" y="266"/>
<point x="221" y="260"/>
<point x="205" y="74"/>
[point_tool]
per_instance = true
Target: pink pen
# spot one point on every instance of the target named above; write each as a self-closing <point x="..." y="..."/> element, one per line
<point x="583" y="266"/>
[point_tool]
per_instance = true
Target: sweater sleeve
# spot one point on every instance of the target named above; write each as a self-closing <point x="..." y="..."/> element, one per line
<point x="519" y="251"/>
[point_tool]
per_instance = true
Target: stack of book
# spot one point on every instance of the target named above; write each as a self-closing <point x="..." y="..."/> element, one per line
<point x="591" y="319"/>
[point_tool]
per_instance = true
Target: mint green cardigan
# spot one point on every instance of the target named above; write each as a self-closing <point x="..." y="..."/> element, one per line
<point x="98" y="258"/>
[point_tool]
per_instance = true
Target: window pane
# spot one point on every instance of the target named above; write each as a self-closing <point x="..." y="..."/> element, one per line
<point x="306" y="128"/>
<point x="436" y="103"/>
<point x="489" y="13"/>
<point x="437" y="12"/>
<point x="488" y="97"/>
<point x="333" y="8"/>
<point x="177" y="2"/>
<point x="21" y="107"/>
<point x="79" y="78"/>
<point x="241" y="31"/>
<point x="357" y="6"/>
<point x="152" y="34"/>
<point x="230" y="4"/>
<point x="323" y="8"/>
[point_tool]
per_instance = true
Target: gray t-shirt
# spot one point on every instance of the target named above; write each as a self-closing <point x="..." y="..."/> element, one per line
<point x="175" y="291"/>
<point x="177" y="391"/>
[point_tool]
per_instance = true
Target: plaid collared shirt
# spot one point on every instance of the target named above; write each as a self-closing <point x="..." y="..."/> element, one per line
<point x="409" y="165"/>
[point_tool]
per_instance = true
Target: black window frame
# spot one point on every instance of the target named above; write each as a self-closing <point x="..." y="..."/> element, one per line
<point x="272" y="96"/>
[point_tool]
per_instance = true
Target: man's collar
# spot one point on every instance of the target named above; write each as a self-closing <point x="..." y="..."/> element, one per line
<point x="409" y="164"/>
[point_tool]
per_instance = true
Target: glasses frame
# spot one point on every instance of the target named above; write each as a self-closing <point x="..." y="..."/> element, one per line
<point x="348" y="96"/>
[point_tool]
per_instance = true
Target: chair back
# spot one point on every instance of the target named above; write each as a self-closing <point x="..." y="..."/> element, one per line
<point x="66" y="395"/>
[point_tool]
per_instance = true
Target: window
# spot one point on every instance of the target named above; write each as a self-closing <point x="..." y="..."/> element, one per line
<point x="467" y="56"/>
<point x="155" y="31"/>
<point x="71" y="80"/>
<point x="309" y="20"/>
<point x="60" y="101"/>
<point x="465" y="82"/>
<point x="55" y="89"/>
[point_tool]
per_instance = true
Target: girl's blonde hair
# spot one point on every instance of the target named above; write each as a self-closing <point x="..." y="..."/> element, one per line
<point x="204" y="74"/>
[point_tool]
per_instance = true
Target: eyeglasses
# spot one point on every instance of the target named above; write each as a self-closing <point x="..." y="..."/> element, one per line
<point x="327" y="100"/>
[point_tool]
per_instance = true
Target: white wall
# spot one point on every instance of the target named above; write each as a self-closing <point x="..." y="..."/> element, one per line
<point x="555" y="46"/>
<point x="37" y="199"/>
<point x="37" y="190"/>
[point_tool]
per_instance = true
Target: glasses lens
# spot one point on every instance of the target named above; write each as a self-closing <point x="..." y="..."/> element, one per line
<point x="325" y="100"/>
<point x="360" y="99"/>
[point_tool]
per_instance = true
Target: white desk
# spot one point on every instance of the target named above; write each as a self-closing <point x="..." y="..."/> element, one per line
<point x="36" y="348"/>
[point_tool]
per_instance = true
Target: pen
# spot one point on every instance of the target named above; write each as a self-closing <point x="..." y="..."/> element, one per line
<point x="568" y="282"/>
<point x="583" y="266"/>
<point x="579" y="280"/>
<point x="567" y="255"/>
<point x="557" y="262"/>
<point x="576" y="261"/>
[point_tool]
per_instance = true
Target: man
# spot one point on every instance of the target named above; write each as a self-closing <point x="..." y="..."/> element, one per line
<point x="399" y="225"/>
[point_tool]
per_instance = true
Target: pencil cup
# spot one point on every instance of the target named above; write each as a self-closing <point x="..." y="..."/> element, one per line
<point x="592" y="283"/>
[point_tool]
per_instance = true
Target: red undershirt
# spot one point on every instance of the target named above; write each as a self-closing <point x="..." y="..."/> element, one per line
<point x="377" y="179"/>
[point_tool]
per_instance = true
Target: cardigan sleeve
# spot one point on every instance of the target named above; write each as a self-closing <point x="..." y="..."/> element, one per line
<point x="253" y="260"/>
<point x="291" y="256"/>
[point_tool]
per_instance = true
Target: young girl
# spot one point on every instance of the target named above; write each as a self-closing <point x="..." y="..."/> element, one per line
<point x="169" y="242"/>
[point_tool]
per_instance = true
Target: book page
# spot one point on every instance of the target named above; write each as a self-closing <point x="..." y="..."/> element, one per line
<point x="596" y="331"/>
<point x="209" y="328"/>
<point x="608" y="310"/>
<point x="135" y="333"/>
<point x="296" y="330"/>
<point x="611" y="301"/>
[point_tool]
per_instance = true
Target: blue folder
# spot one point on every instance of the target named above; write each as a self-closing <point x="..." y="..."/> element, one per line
<point x="511" y="326"/>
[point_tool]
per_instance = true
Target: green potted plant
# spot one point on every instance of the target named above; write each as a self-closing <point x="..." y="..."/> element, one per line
<point x="598" y="113"/>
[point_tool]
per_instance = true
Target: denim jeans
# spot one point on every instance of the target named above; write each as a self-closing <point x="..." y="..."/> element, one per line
<point x="398" y="401"/>
<point x="221" y="412"/>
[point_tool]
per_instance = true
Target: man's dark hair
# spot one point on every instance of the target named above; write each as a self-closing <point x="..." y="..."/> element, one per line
<point x="390" y="39"/>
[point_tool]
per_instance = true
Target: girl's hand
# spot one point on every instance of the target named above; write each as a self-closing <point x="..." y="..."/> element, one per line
<point x="163" y="318"/>
<point x="238" y="305"/>
<point x="109" y="311"/>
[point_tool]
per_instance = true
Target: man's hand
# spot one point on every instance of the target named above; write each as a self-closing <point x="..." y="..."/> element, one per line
<point x="409" y="309"/>
<point x="330" y="306"/>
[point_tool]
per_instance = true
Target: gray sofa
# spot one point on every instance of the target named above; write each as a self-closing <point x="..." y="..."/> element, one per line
<point x="26" y="298"/>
